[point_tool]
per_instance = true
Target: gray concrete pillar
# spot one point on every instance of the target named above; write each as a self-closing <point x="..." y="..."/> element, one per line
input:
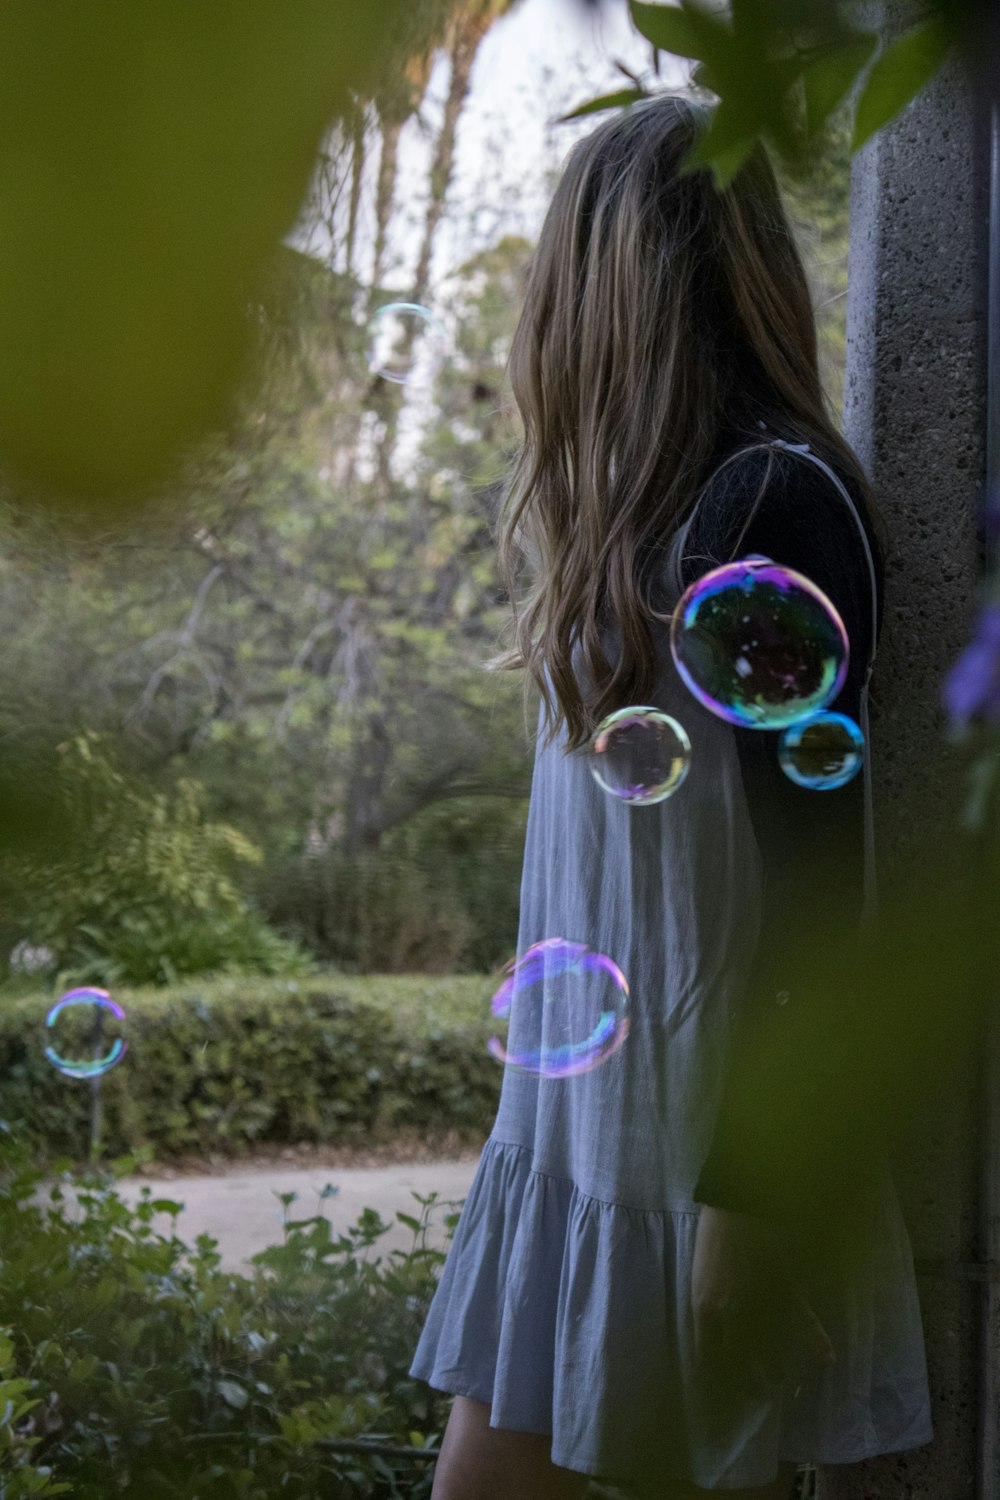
<point x="915" y="412"/>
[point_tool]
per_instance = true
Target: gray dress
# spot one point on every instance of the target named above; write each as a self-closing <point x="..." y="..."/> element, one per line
<point x="564" y="1301"/>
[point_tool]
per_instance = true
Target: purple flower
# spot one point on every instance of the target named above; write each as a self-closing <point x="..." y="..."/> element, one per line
<point x="973" y="684"/>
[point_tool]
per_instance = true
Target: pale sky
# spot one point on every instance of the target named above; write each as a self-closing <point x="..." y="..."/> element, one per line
<point x="538" y="61"/>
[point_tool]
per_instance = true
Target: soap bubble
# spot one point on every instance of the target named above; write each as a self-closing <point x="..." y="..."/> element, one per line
<point x="822" y="752"/>
<point x="550" y="995"/>
<point x="94" y="1067"/>
<point x="397" y="333"/>
<point x="758" y="644"/>
<point x="640" y="755"/>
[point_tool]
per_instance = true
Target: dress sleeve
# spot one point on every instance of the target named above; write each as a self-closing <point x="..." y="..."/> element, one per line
<point x="811" y="843"/>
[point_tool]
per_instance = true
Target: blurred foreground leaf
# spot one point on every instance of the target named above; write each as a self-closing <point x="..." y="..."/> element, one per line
<point x="901" y="70"/>
<point x="884" y="1031"/>
<point x="152" y="158"/>
<point x="684" y="30"/>
<point x="766" y="58"/>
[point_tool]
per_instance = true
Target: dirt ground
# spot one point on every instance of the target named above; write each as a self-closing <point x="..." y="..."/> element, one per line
<point x="236" y="1200"/>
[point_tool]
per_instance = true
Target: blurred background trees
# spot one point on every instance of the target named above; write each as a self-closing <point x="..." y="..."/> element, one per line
<point x="296" y="634"/>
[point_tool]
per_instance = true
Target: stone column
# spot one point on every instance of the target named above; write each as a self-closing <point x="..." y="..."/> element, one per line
<point x="915" y="412"/>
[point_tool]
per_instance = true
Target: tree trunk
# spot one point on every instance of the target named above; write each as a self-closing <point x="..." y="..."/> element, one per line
<point x="466" y="36"/>
<point x="372" y="756"/>
<point x="467" y="33"/>
<point x="357" y="172"/>
<point x="385" y="192"/>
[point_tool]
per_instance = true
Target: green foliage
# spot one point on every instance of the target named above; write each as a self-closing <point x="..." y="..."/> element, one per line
<point x="126" y="279"/>
<point x="438" y="895"/>
<point x="150" y="192"/>
<point x="830" y="77"/>
<point x="309" y="649"/>
<point x="18" y="1439"/>
<point x="681" y="30"/>
<point x="304" y="640"/>
<point x="222" y="1067"/>
<point x="142" y="887"/>
<point x="902" y="69"/>
<point x="616" y="100"/>
<point x="131" y="1364"/>
<point x="780" y="72"/>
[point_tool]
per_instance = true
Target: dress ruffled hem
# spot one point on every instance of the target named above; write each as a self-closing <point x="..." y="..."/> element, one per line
<point x="570" y="1316"/>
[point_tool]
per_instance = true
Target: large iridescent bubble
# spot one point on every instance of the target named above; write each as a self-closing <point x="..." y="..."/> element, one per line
<point x="640" y="755"/>
<point x="822" y="752"/>
<point x="115" y="1045"/>
<point x="551" y="994"/>
<point x="758" y="644"/>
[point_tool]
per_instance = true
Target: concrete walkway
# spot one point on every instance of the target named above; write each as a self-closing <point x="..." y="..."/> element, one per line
<point x="241" y="1209"/>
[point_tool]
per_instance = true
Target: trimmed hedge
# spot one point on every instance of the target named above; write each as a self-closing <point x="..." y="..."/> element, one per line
<point x="222" y="1066"/>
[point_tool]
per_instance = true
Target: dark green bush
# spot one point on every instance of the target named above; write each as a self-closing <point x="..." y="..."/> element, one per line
<point x="439" y="895"/>
<point x="222" y="1067"/>
<point x="132" y="1365"/>
<point x="142" y="888"/>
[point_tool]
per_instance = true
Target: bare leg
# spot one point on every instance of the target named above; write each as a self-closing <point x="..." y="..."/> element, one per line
<point x="480" y="1462"/>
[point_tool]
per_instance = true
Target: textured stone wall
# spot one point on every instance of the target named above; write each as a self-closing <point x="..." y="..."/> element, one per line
<point x="915" y="412"/>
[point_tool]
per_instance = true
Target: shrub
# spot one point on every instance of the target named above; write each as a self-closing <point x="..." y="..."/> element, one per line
<point x="132" y="1365"/>
<point x="142" y="887"/>
<point x="220" y="1067"/>
<point x="439" y="895"/>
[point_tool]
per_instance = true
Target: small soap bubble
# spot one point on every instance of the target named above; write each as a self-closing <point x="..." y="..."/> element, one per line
<point x="101" y="1036"/>
<point x="400" y="335"/>
<point x="550" y="995"/>
<point x="822" y="752"/>
<point x="759" y="645"/>
<point x="640" y="755"/>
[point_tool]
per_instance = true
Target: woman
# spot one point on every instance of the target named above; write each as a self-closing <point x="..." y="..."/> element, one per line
<point x="617" y="1302"/>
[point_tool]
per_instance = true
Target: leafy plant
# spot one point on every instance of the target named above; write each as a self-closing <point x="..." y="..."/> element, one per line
<point x="132" y="1364"/>
<point x="142" y="887"/>
<point x="781" y="74"/>
<point x="19" y="1399"/>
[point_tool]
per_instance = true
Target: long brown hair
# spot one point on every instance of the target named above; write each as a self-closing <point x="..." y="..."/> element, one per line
<point x="659" y="313"/>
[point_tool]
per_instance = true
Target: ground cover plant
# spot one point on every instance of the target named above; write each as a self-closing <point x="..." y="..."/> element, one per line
<point x="132" y="1365"/>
